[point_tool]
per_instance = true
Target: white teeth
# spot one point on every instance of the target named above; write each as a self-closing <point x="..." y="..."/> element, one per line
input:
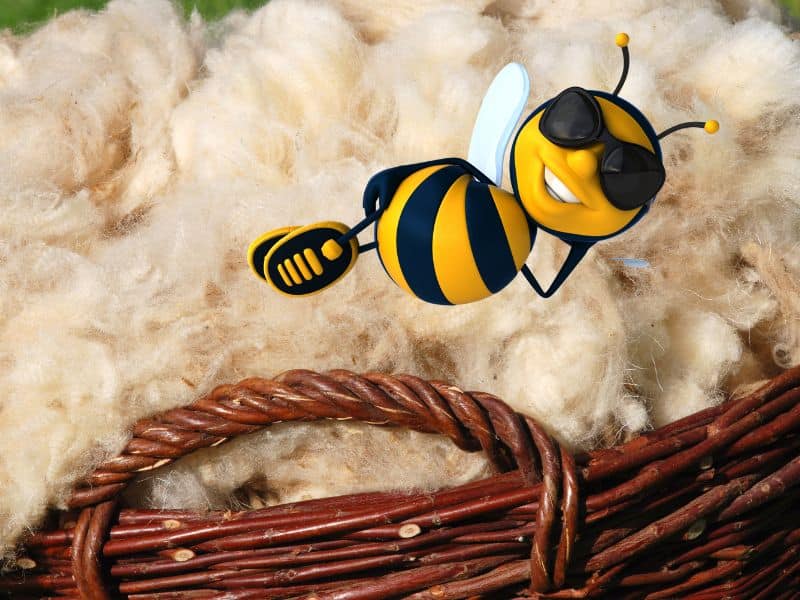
<point x="557" y="189"/>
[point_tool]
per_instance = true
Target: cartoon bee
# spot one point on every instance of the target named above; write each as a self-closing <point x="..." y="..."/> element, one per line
<point x="585" y="166"/>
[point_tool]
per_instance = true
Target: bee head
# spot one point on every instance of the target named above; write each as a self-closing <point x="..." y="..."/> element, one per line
<point x="587" y="164"/>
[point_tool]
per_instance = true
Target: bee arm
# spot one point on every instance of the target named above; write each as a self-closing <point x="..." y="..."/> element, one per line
<point x="576" y="252"/>
<point x="382" y="186"/>
<point x="469" y="168"/>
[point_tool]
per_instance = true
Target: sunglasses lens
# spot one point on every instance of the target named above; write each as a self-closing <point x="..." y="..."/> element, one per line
<point x="571" y="119"/>
<point x="631" y="176"/>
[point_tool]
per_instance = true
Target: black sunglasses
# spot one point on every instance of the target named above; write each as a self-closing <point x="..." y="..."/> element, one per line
<point x="630" y="175"/>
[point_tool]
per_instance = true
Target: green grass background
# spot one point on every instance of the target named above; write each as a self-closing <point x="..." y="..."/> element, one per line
<point x="22" y="15"/>
<point x="793" y="8"/>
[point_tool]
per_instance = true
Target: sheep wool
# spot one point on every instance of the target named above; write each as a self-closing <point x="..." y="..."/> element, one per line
<point x="141" y="152"/>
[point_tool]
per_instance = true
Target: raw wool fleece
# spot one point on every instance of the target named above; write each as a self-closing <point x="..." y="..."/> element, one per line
<point x="140" y="154"/>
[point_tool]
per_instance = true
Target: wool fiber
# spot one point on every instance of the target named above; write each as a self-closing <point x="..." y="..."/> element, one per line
<point x="140" y="153"/>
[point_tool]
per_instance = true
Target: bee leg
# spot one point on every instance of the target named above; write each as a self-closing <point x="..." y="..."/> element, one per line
<point x="359" y="227"/>
<point x="576" y="252"/>
<point x="331" y="248"/>
<point x="532" y="281"/>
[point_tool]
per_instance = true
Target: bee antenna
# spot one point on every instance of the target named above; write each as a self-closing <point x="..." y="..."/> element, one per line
<point x="622" y="40"/>
<point x="709" y="126"/>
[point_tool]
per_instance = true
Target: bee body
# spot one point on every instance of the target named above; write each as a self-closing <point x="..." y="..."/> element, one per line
<point x="450" y="239"/>
<point x="586" y="165"/>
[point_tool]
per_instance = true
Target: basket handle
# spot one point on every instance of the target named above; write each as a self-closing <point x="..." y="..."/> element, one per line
<point x="473" y="421"/>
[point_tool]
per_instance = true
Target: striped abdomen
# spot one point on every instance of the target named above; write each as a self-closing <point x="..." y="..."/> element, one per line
<point x="449" y="239"/>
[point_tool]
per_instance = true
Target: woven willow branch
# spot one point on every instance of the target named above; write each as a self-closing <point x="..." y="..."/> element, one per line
<point x="703" y="508"/>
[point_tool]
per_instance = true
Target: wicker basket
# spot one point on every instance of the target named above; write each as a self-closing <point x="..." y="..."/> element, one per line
<point x="704" y="508"/>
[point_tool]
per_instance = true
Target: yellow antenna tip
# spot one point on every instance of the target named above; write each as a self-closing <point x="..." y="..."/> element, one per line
<point x="711" y="126"/>
<point x="622" y="40"/>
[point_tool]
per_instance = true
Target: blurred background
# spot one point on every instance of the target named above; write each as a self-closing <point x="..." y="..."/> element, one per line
<point x="22" y="15"/>
<point x="792" y="10"/>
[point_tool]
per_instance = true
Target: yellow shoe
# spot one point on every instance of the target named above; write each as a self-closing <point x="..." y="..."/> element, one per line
<point x="308" y="259"/>
<point x="261" y="246"/>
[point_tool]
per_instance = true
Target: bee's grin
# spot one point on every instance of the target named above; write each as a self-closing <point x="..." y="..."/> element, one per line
<point x="557" y="189"/>
<point x="560" y="188"/>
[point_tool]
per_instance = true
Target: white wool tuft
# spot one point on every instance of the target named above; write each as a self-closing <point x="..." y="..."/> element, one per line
<point x="140" y="154"/>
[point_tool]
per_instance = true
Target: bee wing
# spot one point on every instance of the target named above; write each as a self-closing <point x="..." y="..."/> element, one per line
<point x="633" y="263"/>
<point x="498" y="115"/>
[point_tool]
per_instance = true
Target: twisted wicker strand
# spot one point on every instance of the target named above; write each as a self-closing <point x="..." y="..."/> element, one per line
<point x="298" y="395"/>
<point x="472" y="421"/>
<point x="550" y="495"/>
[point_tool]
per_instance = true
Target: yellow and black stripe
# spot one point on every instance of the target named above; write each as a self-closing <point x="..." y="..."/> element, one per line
<point x="449" y="239"/>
